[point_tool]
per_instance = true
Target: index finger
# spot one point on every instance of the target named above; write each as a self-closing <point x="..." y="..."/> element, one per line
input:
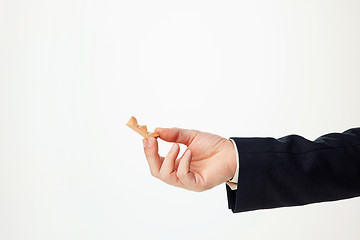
<point x="177" y="135"/>
<point x="152" y="156"/>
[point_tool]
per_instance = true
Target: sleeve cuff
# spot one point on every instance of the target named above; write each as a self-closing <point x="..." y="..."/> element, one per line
<point x="232" y="183"/>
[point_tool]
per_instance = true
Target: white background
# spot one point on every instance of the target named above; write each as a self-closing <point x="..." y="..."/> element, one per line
<point x="72" y="72"/>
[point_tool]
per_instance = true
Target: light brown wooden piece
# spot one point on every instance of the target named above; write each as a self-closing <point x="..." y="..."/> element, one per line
<point x="142" y="129"/>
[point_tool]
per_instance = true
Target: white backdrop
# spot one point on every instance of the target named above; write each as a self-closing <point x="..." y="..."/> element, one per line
<point x="72" y="72"/>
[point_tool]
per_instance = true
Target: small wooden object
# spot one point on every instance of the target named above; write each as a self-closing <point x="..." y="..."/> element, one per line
<point x="142" y="130"/>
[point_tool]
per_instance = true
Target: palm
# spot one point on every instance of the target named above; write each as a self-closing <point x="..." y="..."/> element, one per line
<point x="207" y="151"/>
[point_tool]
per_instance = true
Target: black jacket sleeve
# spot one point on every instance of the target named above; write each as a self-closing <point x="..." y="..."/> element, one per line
<point x="292" y="171"/>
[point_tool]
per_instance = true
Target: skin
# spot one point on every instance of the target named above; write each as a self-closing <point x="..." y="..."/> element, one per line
<point x="208" y="161"/>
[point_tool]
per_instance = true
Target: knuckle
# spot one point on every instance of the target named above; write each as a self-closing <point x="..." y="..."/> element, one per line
<point x="206" y="187"/>
<point x="154" y="173"/>
<point x="196" y="132"/>
<point x="199" y="190"/>
<point x="162" y="175"/>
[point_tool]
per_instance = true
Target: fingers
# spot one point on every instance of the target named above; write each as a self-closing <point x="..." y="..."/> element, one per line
<point x="170" y="169"/>
<point x="183" y="171"/>
<point x="168" y="164"/>
<point x="177" y="135"/>
<point x="152" y="155"/>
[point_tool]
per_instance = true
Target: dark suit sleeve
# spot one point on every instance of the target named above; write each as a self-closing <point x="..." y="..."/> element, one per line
<point x="292" y="171"/>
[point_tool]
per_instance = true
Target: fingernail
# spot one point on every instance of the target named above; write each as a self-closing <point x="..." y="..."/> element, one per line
<point x="145" y="143"/>
<point x="149" y="142"/>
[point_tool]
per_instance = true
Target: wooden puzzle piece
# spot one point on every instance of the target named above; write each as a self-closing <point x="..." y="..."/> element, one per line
<point x="142" y="129"/>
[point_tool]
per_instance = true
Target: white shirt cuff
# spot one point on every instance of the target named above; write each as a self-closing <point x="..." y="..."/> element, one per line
<point x="232" y="183"/>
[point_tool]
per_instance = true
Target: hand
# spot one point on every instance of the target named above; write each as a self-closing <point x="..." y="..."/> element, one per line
<point x="208" y="161"/>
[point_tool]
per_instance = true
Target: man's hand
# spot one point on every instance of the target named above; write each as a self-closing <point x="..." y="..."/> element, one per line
<point x="208" y="161"/>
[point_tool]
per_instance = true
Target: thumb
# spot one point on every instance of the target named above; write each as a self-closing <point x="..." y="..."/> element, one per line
<point x="177" y="135"/>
